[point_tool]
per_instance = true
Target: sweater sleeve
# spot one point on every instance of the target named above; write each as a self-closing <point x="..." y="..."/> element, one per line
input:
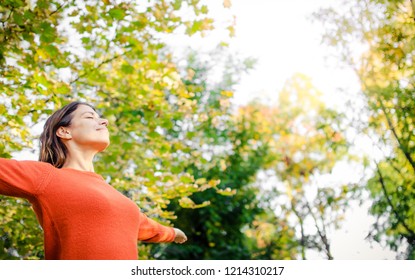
<point x="151" y="231"/>
<point x="22" y="178"/>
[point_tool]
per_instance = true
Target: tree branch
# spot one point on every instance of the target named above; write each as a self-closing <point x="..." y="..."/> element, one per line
<point x="321" y="233"/>
<point x="300" y="219"/>
<point x="385" y="192"/>
<point x="392" y="128"/>
<point x="60" y="7"/>
<point x="96" y="67"/>
<point x="396" y="168"/>
<point x="11" y="12"/>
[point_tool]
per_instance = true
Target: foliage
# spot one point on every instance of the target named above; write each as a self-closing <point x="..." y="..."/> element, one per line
<point x="230" y="152"/>
<point x="110" y="54"/>
<point x="307" y="141"/>
<point x="178" y="147"/>
<point x="385" y="67"/>
<point x="296" y="140"/>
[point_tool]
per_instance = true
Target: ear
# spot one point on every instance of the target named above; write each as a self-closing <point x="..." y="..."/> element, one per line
<point x="64" y="133"/>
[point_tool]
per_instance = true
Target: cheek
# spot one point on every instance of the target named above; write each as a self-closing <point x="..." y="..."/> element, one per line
<point x="82" y="132"/>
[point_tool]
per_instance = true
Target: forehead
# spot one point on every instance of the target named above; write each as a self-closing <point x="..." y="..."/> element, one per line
<point x="82" y="109"/>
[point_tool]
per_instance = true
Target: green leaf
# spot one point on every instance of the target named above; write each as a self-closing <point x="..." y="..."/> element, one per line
<point x="186" y="180"/>
<point x="177" y="4"/>
<point x="47" y="32"/>
<point x="64" y="89"/>
<point x="127" y="68"/>
<point x="51" y="50"/>
<point x="85" y="40"/>
<point x="204" y="9"/>
<point x="18" y="18"/>
<point x="42" y="4"/>
<point x="117" y="13"/>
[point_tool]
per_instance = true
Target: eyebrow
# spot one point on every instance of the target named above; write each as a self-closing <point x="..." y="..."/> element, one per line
<point x="89" y="112"/>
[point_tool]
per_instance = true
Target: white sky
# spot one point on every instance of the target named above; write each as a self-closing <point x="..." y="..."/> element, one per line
<point x="279" y="35"/>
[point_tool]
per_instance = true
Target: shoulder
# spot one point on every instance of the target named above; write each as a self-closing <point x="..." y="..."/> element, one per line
<point x="34" y="171"/>
<point x="20" y="177"/>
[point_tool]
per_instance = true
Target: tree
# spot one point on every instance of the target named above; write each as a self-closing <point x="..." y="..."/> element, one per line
<point x="385" y="30"/>
<point x="296" y="140"/>
<point x="230" y="151"/>
<point x="307" y="140"/>
<point x="110" y="54"/>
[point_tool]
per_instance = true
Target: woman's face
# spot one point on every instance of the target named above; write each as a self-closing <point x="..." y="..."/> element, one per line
<point x="87" y="130"/>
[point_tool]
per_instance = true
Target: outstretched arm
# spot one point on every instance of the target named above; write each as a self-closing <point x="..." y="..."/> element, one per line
<point x="22" y="178"/>
<point x="151" y="231"/>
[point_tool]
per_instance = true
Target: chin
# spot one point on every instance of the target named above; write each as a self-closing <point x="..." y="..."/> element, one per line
<point x="101" y="146"/>
<point x="105" y="146"/>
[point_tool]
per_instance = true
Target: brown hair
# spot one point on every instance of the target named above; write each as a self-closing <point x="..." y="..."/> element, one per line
<point x="52" y="149"/>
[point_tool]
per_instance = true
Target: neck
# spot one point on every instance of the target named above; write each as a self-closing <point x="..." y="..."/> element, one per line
<point x="78" y="160"/>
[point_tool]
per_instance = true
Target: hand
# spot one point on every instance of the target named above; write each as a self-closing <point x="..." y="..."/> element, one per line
<point x="180" y="236"/>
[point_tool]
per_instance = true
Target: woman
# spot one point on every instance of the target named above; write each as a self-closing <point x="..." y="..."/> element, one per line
<point x="81" y="215"/>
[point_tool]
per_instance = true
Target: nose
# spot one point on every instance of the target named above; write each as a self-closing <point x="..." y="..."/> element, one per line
<point x="104" y="122"/>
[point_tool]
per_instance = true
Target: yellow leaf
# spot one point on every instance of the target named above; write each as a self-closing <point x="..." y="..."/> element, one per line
<point x="227" y="93"/>
<point x="186" y="202"/>
<point x="223" y="165"/>
<point x="226" y="192"/>
<point x="214" y="183"/>
<point x="200" y="181"/>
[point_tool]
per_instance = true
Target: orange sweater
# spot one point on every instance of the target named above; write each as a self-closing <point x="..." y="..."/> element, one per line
<point x="82" y="216"/>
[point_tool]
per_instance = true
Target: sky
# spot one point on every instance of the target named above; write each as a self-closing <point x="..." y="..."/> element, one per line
<point x="279" y="34"/>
